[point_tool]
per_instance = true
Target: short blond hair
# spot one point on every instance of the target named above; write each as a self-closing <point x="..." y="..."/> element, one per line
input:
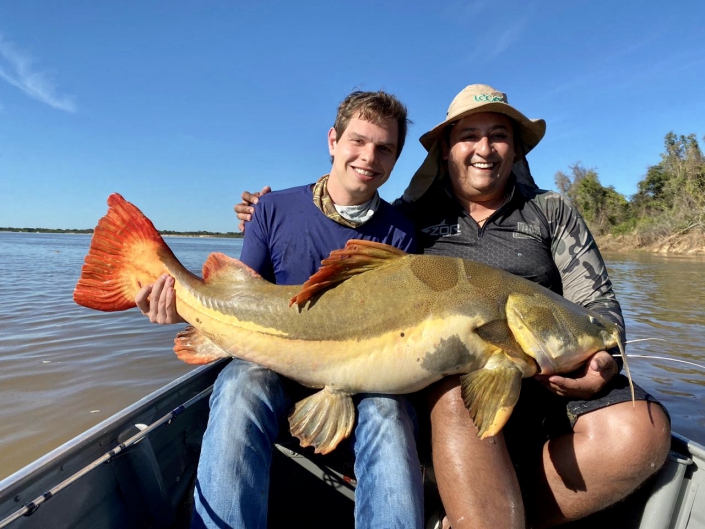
<point x="374" y="107"/>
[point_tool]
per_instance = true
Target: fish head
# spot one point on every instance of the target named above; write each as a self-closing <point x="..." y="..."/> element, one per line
<point x="557" y="334"/>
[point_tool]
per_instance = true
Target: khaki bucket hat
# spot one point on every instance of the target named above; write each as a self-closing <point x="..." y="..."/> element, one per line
<point x="472" y="100"/>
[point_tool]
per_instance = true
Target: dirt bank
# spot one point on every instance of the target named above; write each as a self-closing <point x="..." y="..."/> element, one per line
<point x="689" y="243"/>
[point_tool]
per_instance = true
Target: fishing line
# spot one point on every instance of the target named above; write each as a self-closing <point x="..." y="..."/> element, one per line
<point x="660" y="358"/>
<point x="32" y="506"/>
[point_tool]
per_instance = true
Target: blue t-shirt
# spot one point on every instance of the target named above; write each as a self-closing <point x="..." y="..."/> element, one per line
<point x="289" y="236"/>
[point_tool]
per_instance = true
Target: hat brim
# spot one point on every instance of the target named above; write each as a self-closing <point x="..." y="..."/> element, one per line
<point x="532" y="131"/>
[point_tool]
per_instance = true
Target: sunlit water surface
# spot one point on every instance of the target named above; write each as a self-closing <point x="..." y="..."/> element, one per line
<point x="65" y="368"/>
<point x="664" y="297"/>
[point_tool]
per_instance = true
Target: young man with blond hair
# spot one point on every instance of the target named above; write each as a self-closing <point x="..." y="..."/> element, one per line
<point x="292" y="231"/>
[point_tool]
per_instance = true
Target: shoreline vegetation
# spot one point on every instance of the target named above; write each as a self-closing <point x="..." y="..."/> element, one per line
<point x="167" y="233"/>
<point x="665" y="216"/>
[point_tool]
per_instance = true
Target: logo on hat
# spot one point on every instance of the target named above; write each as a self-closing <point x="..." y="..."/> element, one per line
<point x="490" y="98"/>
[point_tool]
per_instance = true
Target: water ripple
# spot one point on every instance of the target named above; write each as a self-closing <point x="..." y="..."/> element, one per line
<point x="65" y="368"/>
<point x="663" y="297"/>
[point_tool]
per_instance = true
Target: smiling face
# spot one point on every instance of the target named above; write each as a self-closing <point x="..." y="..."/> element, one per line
<point x="480" y="156"/>
<point x="363" y="158"/>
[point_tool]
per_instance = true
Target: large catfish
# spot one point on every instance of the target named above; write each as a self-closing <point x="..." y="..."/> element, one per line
<point x="373" y="319"/>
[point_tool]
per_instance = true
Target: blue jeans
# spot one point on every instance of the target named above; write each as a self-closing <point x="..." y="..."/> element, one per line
<point x="248" y="405"/>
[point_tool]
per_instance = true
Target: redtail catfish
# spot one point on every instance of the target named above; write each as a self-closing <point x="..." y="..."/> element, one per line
<point x="372" y="319"/>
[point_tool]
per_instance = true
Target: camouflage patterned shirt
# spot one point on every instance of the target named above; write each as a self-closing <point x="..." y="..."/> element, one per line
<point x="537" y="235"/>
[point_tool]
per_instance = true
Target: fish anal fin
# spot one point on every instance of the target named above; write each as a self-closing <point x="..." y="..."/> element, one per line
<point x="220" y="267"/>
<point x="357" y="257"/>
<point x="491" y="393"/>
<point x="323" y="419"/>
<point x="193" y="347"/>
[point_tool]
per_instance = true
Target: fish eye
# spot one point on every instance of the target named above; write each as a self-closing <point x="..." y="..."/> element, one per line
<point x="595" y="321"/>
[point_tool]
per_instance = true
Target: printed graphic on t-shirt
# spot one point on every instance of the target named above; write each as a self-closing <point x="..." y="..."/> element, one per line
<point x="442" y="230"/>
<point x="527" y="231"/>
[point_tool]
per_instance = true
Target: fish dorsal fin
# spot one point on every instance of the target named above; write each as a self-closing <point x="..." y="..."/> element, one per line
<point x="357" y="257"/>
<point x="219" y="267"/>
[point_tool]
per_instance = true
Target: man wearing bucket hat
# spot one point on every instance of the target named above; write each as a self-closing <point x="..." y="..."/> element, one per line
<point x="580" y="446"/>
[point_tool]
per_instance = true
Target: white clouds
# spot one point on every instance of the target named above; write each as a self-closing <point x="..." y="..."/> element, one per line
<point x="496" y="41"/>
<point x="489" y="38"/>
<point x="508" y="37"/>
<point x="464" y="9"/>
<point x="17" y="68"/>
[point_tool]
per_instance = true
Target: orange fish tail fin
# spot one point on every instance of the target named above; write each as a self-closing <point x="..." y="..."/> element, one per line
<point x="126" y="253"/>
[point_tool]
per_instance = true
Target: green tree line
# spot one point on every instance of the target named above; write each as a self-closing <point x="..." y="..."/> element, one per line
<point x="670" y="198"/>
<point x="229" y="234"/>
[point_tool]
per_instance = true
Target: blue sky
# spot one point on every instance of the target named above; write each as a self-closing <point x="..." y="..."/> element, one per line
<point x="179" y="106"/>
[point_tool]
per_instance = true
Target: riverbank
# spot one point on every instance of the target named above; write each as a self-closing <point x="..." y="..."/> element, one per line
<point x="163" y="233"/>
<point x="688" y="243"/>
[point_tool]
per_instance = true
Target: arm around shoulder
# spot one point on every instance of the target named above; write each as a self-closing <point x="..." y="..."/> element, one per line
<point x="255" y="246"/>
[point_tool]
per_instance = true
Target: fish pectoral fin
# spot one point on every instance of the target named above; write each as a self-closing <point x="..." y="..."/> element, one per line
<point x="357" y="257"/>
<point x="323" y="419"/>
<point x="491" y="393"/>
<point x="193" y="347"/>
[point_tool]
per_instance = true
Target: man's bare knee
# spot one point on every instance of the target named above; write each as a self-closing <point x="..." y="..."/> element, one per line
<point x="635" y="439"/>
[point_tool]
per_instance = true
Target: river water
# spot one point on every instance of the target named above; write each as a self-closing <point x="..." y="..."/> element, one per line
<point x="65" y="368"/>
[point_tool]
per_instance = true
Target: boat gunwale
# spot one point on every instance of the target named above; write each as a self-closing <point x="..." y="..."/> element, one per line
<point x="32" y="480"/>
<point x="687" y="446"/>
<point x="113" y="425"/>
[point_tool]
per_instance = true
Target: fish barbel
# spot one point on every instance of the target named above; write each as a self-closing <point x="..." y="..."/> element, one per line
<point x="373" y="319"/>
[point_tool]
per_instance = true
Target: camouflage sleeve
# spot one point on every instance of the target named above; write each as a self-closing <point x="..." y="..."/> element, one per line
<point x="582" y="269"/>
